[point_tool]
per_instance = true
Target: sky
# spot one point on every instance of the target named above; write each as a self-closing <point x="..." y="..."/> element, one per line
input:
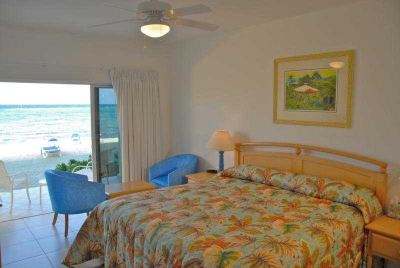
<point x="35" y="93"/>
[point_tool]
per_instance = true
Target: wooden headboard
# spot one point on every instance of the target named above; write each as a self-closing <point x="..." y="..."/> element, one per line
<point x="299" y="162"/>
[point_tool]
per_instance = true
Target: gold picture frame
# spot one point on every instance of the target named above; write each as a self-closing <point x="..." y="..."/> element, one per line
<point x="314" y="90"/>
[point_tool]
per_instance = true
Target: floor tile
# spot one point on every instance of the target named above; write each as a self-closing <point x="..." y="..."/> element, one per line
<point x="56" y="243"/>
<point x="75" y="225"/>
<point x="81" y="217"/>
<point x="41" y="220"/>
<point x="40" y="261"/>
<point x="57" y="257"/>
<point x="48" y="230"/>
<point x="20" y="252"/>
<point x="12" y="226"/>
<point x="16" y="237"/>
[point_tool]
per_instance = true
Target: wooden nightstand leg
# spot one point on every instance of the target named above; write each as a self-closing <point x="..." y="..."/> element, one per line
<point x="369" y="261"/>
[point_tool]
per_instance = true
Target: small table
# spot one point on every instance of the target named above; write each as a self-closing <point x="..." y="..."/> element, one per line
<point x="200" y="177"/>
<point x="118" y="189"/>
<point x="383" y="239"/>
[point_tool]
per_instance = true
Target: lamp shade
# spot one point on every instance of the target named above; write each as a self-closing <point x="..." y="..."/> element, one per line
<point x="221" y="140"/>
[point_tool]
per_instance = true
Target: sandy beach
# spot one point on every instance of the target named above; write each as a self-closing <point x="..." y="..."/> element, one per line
<point x="24" y="159"/>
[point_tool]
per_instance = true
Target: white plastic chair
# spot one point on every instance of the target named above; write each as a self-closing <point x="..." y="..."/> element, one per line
<point x="8" y="183"/>
<point x="85" y="170"/>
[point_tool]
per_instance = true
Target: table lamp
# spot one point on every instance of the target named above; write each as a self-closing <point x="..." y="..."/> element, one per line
<point x="221" y="141"/>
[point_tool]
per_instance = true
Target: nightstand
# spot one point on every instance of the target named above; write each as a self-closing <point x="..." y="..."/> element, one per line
<point x="200" y="177"/>
<point x="383" y="239"/>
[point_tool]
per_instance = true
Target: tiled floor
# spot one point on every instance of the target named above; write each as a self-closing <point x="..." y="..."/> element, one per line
<point x="22" y="208"/>
<point x="34" y="242"/>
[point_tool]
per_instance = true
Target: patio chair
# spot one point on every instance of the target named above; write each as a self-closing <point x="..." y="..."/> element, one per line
<point x="72" y="193"/>
<point x="9" y="183"/>
<point x="172" y="171"/>
<point x="51" y="148"/>
<point x="85" y="170"/>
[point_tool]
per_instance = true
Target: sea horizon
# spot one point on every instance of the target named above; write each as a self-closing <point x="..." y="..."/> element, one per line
<point x="14" y="106"/>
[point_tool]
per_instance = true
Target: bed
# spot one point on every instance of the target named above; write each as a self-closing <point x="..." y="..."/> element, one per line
<point x="273" y="209"/>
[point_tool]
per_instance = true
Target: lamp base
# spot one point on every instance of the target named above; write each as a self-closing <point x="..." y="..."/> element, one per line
<point x="221" y="161"/>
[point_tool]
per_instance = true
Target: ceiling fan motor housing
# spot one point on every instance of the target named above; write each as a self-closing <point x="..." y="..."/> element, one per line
<point x="148" y="7"/>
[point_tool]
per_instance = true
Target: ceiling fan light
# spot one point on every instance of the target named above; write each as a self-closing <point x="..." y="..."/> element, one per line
<point x="155" y="30"/>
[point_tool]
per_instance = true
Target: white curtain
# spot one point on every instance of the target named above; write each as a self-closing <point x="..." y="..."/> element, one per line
<point x="139" y="119"/>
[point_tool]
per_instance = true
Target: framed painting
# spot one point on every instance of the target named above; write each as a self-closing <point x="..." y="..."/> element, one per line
<point x="314" y="89"/>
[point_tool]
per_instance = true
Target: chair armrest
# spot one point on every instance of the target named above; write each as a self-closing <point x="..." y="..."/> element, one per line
<point x="19" y="178"/>
<point x="179" y="176"/>
<point x="77" y="167"/>
<point x="161" y="169"/>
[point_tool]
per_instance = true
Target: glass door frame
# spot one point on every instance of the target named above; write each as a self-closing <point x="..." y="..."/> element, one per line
<point x="95" y="125"/>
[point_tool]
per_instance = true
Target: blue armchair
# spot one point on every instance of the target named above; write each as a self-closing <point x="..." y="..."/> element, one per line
<point x="72" y="193"/>
<point x="172" y="171"/>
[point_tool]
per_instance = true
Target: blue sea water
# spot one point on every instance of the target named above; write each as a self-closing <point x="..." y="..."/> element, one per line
<point x="25" y="123"/>
<point x="108" y="121"/>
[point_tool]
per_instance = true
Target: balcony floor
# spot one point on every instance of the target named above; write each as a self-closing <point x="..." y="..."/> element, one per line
<point x="22" y="208"/>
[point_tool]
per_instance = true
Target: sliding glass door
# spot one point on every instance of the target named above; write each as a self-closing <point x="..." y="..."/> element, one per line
<point x="106" y="135"/>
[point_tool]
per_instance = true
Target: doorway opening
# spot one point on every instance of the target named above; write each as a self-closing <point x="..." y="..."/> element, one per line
<point x="42" y="126"/>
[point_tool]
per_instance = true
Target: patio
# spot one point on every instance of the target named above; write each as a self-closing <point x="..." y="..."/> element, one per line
<point x="22" y="208"/>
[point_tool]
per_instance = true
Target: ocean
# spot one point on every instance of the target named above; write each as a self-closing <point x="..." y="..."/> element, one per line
<point x="27" y="123"/>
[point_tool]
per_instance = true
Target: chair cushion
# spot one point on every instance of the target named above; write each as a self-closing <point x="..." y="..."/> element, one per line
<point x="161" y="181"/>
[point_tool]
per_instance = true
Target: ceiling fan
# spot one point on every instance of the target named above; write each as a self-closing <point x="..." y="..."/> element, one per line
<point x="158" y="17"/>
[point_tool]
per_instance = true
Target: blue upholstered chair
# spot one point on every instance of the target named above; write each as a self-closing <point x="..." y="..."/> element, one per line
<point x="172" y="171"/>
<point x="72" y="193"/>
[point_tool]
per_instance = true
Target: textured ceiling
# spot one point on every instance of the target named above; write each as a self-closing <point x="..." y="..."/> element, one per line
<point x="74" y="16"/>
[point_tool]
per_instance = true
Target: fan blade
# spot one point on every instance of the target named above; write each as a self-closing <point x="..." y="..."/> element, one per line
<point x="122" y="8"/>
<point x="196" y="24"/>
<point x="185" y="11"/>
<point x="113" y="22"/>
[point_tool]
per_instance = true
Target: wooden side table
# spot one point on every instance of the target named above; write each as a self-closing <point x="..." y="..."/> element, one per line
<point x="200" y="177"/>
<point x="383" y="239"/>
<point x="119" y="189"/>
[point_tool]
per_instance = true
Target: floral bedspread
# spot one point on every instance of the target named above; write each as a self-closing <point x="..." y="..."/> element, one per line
<point x="226" y="222"/>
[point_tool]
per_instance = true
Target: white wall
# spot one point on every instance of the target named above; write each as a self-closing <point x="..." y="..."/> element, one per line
<point x="27" y="55"/>
<point x="226" y="81"/>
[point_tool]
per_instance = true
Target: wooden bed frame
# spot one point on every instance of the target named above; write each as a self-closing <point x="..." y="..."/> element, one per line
<point x="300" y="161"/>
